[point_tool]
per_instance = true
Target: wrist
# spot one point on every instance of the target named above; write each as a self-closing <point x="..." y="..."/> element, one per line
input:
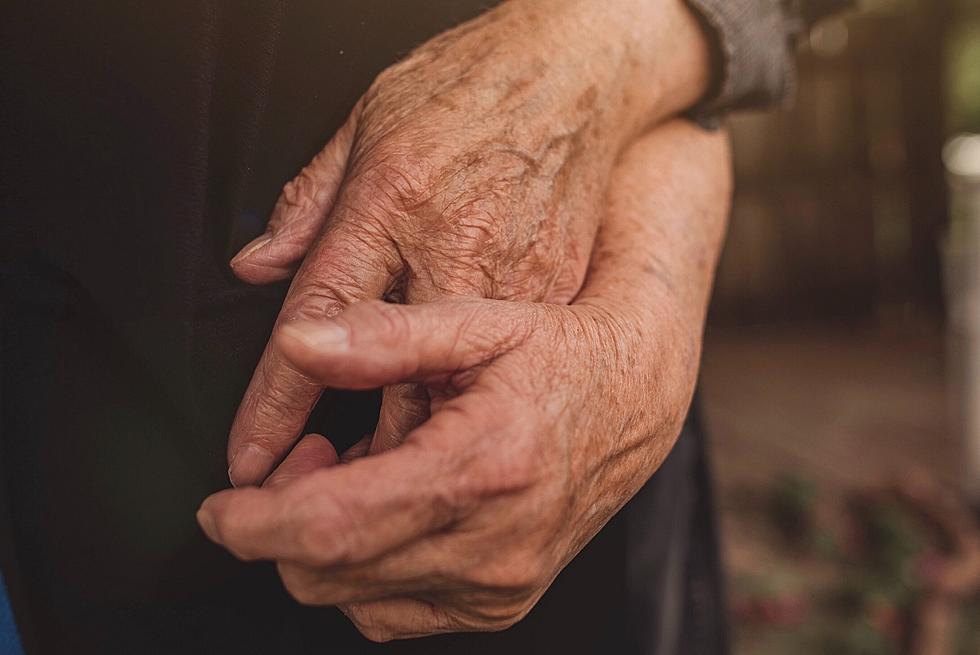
<point x="666" y="60"/>
<point x="647" y="60"/>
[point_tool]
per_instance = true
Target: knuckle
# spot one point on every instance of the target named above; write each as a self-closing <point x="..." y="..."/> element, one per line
<point x="518" y="576"/>
<point x="314" y="545"/>
<point x="288" y="394"/>
<point x="451" y="274"/>
<point x="287" y="397"/>
<point x="303" y="595"/>
<point x="232" y="530"/>
<point x="498" y="617"/>
<point x="376" y="633"/>
<point x="392" y="323"/>
<point x="327" y="288"/>
<point x="512" y="474"/>
<point x="499" y="624"/>
<point x="341" y="270"/>
<point x="321" y="298"/>
<point x="298" y="195"/>
<point x="377" y="91"/>
<point x="298" y="584"/>
<point x="503" y="470"/>
<point x="228" y="527"/>
<point x="391" y="77"/>
<point x="394" y="179"/>
<point x="450" y="502"/>
<point x="330" y="536"/>
<point x="368" y="624"/>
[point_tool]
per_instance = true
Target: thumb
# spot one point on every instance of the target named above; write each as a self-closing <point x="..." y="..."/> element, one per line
<point x="299" y="214"/>
<point x="372" y="344"/>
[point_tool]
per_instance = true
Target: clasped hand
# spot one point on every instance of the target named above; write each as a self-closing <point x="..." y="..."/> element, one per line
<point x="542" y="421"/>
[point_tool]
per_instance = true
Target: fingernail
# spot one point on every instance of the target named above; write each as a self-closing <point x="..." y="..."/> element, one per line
<point x="250" y="465"/>
<point x="257" y="244"/>
<point x="320" y="335"/>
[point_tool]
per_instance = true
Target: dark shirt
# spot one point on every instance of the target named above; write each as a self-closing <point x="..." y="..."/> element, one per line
<point x="143" y="144"/>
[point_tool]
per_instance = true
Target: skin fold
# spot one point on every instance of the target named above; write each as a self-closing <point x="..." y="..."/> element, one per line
<point x="477" y="166"/>
<point x="544" y="419"/>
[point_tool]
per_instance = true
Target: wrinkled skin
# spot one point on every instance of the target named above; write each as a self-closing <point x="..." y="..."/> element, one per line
<point x="478" y="166"/>
<point x="545" y="419"/>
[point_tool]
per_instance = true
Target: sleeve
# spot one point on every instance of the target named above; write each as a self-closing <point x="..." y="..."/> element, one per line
<point x="752" y="45"/>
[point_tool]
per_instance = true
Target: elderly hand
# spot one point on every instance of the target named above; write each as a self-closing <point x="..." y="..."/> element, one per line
<point x="545" y="419"/>
<point x="477" y="166"/>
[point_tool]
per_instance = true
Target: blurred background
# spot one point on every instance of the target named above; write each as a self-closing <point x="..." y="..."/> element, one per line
<point x="842" y="349"/>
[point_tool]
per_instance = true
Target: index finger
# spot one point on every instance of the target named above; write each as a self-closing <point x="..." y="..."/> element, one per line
<point x="346" y="265"/>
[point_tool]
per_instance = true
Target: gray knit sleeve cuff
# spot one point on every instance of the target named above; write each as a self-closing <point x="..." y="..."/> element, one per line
<point x="752" y="47"/>
<point x="753" y="52"/>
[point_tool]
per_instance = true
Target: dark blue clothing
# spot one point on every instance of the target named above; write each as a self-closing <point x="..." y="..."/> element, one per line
<point x="9" y="638"/>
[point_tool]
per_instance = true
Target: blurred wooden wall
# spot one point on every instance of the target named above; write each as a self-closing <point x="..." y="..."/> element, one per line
<point x="840" y="201"/>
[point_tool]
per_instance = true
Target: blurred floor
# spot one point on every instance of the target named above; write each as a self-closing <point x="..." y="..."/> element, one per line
<point x="844" y="409"/>
<point x="841" y="406"/>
